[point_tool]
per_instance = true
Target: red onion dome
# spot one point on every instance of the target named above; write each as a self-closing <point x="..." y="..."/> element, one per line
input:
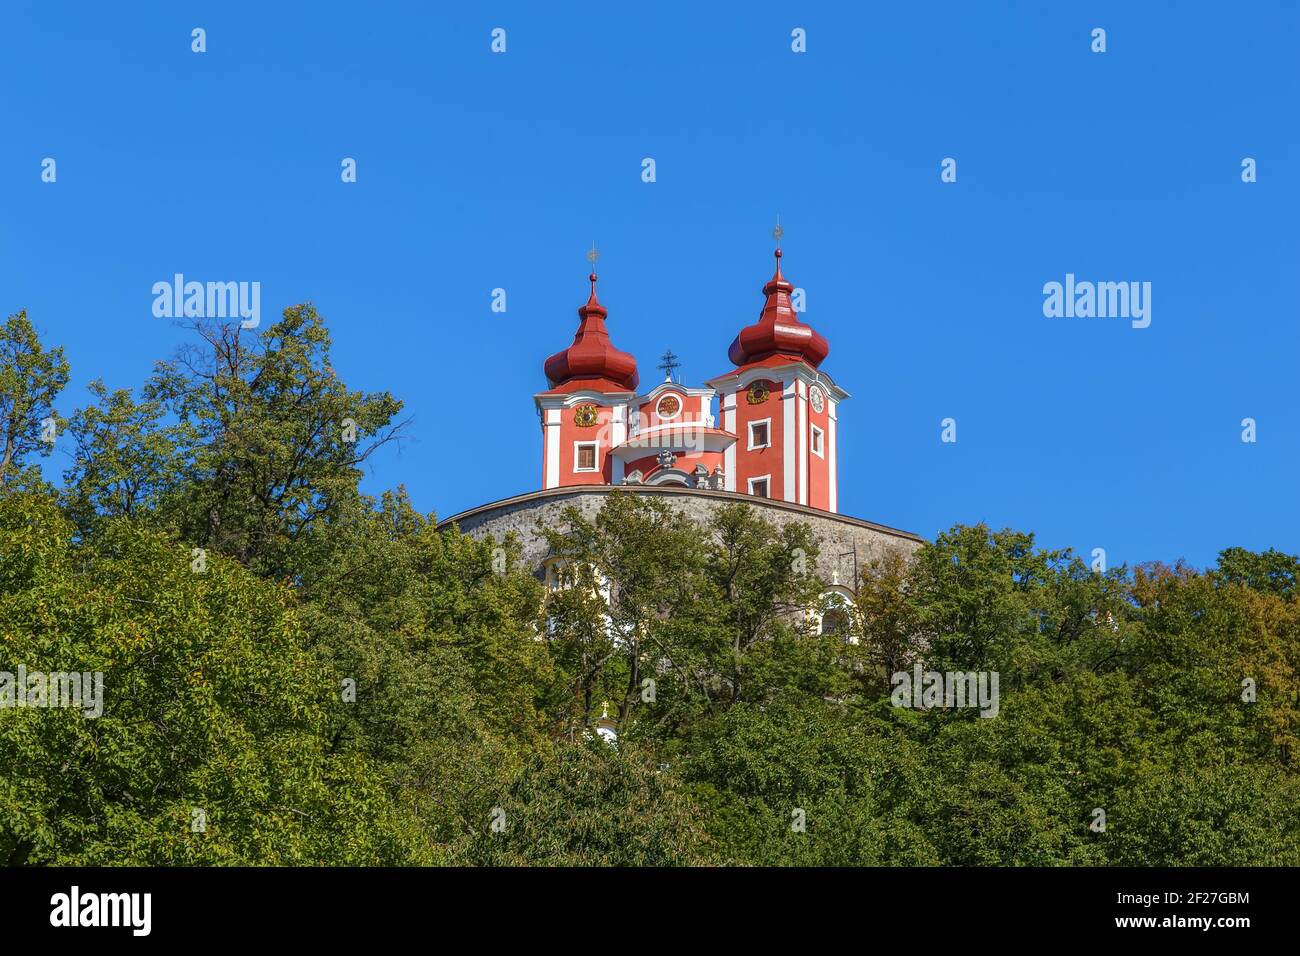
<point x="592" y="355"/>
<point x="778" y="330"/>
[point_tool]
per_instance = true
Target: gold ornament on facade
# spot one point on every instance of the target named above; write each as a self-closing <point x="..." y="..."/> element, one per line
<point x="757" y="393"/>
<point x="584" y="416"/>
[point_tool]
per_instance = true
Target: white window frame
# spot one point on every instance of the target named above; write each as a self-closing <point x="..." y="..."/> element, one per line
<point x="818" y="442"/>
<point x="766" y="478"/>
<point x="595" y="457"/>
<point x="766" y="444"/>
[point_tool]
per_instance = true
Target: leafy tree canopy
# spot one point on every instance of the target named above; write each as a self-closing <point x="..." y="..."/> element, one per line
<point x="325" y="677"/>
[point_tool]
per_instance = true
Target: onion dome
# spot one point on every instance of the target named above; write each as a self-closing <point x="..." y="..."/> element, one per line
<point x="778" y="330"/>
<point x="592" y="355"/>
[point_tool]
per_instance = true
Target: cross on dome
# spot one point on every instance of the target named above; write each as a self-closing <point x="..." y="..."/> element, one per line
<point x="592" y="359"/>
<point x="778" y="329"/>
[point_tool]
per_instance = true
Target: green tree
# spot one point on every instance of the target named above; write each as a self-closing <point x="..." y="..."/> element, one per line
<point x="702" y="615"/>
<point x="1270" y="570"/>
<point x="211" y="703"/>
<point x="336" y="681"/>
<point x="278" y="439"/>
<point x="128" y="462"/>
<point x="589" y="804"/>
<point x="31" y="378"/>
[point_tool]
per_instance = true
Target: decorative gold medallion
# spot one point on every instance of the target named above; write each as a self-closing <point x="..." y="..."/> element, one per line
<point x="669" y="406"/>
<point x="584" y="416"/>
<point x="757" y="393"/>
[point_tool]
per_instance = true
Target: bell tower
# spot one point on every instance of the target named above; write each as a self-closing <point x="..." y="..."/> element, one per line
<point x="584" y="412"/>
<point x="781" y="407"/>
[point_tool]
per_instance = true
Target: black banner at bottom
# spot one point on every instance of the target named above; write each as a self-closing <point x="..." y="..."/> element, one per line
<point x="339" y="905"/>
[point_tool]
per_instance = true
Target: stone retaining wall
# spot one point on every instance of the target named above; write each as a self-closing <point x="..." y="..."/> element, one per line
<point x="846" y="543"/>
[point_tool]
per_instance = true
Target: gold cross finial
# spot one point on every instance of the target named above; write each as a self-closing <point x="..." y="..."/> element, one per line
<point x="778" y="232"/>
<point x="592" y="256"/>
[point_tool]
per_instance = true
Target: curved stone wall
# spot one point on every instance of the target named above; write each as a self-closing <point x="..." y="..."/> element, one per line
<point x="846" y="543"/>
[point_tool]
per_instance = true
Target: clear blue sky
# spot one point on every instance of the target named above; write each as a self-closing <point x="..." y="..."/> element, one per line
<point x="479" y="171"/>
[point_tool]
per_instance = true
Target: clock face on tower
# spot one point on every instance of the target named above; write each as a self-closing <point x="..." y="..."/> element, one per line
<point x="818" y="400"/>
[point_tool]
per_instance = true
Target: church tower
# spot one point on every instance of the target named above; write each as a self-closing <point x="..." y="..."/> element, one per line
<point x="584" y="412"/>
<point x="780" y="406"/>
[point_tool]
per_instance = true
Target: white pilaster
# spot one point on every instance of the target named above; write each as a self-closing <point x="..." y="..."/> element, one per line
<point x="833" y="481"/>
<point x="553" y="447"/>
<point x="729" y="456"/>
<point x="802" y="392"/>
<point x="617" y="435"/>
<point x="788" y="491"/>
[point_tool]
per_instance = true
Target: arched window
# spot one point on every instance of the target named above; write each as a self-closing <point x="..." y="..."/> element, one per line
<point x="837" y="614"/>
<point x="835" y="621"/>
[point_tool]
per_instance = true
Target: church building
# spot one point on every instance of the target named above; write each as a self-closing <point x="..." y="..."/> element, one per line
<point x="764" y="427"/>
<point x="764" y="431"/>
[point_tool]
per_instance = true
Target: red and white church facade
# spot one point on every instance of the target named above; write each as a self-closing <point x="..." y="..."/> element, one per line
<point x="765" y="427"/>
